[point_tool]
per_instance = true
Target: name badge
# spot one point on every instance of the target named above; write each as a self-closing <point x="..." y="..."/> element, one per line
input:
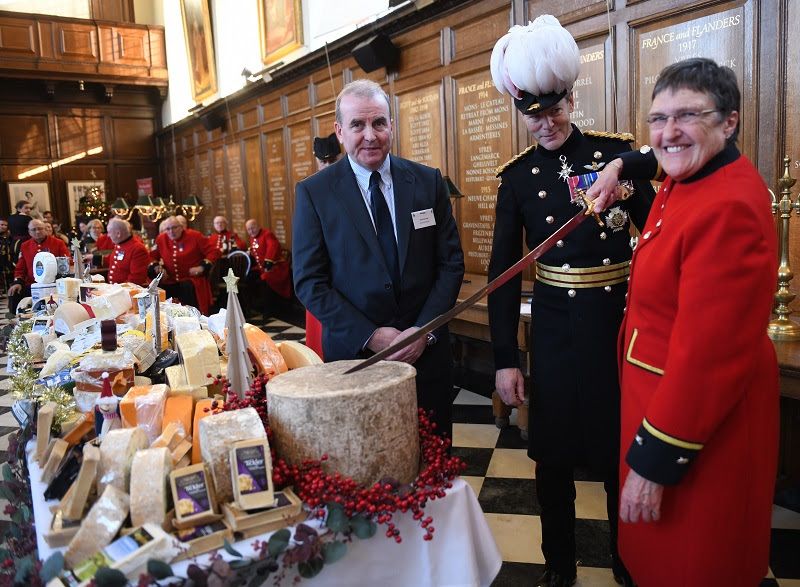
<point x="423" y="218"/>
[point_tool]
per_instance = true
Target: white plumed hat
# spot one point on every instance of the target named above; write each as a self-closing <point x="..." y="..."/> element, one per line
<point x="536" y="64"/>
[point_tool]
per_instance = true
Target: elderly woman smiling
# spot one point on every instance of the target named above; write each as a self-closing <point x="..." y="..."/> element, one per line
<point x="698" y="374"/>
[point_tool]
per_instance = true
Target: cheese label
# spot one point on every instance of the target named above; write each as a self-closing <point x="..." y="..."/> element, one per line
<point x="115" y="551"/>
<point x="195" y="532"/>
<point x="192" y="494"/>
<point x="252" y="469"/>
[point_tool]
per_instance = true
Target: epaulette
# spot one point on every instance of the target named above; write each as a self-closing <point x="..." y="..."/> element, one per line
<point x="513" y="160"/>
<point x="620" y="136"/>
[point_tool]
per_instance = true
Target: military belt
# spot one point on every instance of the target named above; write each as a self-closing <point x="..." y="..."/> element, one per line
<point x="583" y="277"/>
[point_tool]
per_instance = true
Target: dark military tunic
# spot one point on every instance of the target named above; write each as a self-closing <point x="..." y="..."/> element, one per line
<point x="574" y="416"/>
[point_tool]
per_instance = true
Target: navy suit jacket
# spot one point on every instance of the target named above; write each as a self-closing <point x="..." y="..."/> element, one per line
<point x="339" y="271"/>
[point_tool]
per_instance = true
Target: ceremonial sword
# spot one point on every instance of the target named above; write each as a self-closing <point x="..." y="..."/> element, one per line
<point x="498" y="281"/>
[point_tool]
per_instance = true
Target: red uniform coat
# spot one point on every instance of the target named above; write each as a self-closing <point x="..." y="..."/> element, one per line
<point x="227" y="241"/>
<point x="265" y="249"/>
<point x="24" y="268"/>
<point x="104" y="243"/>
<point x="128" y="262"/>
<point x="178" y="256"/>
<point x="699" y="380"/>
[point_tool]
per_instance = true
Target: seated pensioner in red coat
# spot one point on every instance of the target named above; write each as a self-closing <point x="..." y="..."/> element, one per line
<point x="186" y="256"/>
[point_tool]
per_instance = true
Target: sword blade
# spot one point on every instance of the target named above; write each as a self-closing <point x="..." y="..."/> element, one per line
<point x="497" y="282"/>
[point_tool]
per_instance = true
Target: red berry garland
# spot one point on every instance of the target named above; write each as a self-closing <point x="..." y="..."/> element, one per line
<point x="378" y="502"/>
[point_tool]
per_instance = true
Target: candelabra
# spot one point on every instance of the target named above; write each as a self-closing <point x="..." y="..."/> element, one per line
<point x="782" y="327"/>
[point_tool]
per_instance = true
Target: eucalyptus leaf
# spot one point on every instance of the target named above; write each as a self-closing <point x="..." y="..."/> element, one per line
<point x="333" y="551"/>
<point x="52" y="567"/>
<point x="311" y="568"/>
<point x="7" y="493"/>
<point x="24" y="568"/>
<point x="279" y="541"/>
<point x="231" y="550"/>
<point x="7" y="474"/>
<point x="363" y="527"/>
<point x="159" y="569"/>
<point x="337" y="520"/>
<point x="240" y="564"/>
<point x="105" y="577"/>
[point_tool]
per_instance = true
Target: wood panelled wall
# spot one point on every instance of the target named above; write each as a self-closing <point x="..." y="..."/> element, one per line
<point x="447" y="113"/>
<point x="35" y="132"/>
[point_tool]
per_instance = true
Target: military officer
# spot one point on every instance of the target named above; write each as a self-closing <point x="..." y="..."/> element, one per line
<point x="186" y="256"/>
<point x="579" y="292"/>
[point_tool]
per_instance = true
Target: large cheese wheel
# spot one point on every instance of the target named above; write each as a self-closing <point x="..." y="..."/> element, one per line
<point x="365" y="422"/>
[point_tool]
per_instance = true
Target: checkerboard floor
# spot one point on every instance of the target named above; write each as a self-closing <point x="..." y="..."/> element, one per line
<point x="503" y="478"/>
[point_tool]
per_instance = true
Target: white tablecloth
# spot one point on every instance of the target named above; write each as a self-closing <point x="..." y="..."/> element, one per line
<point x="463" y="551"/>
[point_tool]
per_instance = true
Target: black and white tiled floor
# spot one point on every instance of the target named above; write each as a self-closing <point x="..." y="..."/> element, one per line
<point x="503" y="478"/>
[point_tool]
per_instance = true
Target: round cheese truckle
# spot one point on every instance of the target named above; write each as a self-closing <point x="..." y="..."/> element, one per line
<point x="366" y="422"/>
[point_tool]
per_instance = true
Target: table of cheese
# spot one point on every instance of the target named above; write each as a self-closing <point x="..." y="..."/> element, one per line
<point x="143" y="468"/>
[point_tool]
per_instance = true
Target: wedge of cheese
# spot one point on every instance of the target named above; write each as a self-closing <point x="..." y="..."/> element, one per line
<point x="297" y="355"/>
<point x="75" y="501"/>
<point x="127" y="405"/>
<point x="150" y="471"/>
<point x="199" y="356"/>
<point x="100" y="525"/>
<point x="116" y="454"/>
<point x="267" y="357"/>
<point x="179" y="409"/>
<point x="44" y="420"/>
<point x="217" y="434"/>
<point x="201" y="410"/>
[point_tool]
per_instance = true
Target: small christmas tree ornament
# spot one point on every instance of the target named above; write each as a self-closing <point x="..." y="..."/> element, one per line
<point x="240" y="369"/>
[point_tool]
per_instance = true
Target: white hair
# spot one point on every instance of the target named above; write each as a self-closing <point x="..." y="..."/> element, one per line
<point x="539" y="58"/>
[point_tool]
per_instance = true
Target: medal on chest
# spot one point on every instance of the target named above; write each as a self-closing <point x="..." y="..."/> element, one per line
<point x="120" y="255"/>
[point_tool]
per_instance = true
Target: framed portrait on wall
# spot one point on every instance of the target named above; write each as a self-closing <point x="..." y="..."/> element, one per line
<point x="36" y="192"/>
<point x="76" y="190"/>
<point x="281" y="28"/>
<point x="199" y="48"/>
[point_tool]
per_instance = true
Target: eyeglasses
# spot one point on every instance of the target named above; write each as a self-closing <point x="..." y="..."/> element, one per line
<point x="687" y="118"/>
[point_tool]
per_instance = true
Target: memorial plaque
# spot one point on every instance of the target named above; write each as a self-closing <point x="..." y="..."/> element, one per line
<point x="238" y="210"/>
<point x="419" y="126"/>
<point x="279" y="194"/>
<point x="220" y="193"/>
<point x="483" y="143"/>
<point x="205" y="191"/>
<point x="589" y="90"/>
<point x="256" y="195"/>
<point x="301" y="153"/>
<point x="718" y="36"/>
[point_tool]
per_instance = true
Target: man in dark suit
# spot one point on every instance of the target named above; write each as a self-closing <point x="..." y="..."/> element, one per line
<point x="376" y="253"/>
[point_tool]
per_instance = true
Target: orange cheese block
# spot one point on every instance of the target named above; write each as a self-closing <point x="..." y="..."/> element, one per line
<point x="81" y="429"/>
<point x="265" y="352"/>
<point x="179" y="408"/>
<point x="127" y="405"/>
<point x="201" y="410"/>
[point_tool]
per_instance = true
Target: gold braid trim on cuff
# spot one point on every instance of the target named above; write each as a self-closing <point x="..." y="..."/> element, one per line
<point x="670" y="439"/>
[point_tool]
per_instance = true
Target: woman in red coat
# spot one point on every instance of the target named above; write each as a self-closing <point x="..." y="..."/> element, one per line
<point x="698" y="373"/>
